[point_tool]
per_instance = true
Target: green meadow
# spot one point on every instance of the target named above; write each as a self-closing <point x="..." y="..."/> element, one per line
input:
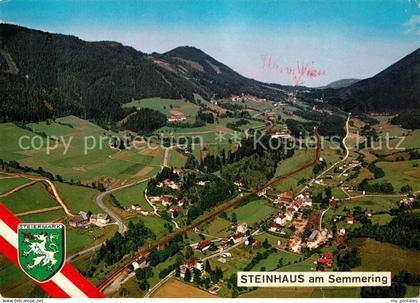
<point x="253" y="211"/>
<point x="78" y="198"/>
<point x="132" y="195"/>
<point x="88" y="156"/>
<point x="8" y="184"/>
<point x="29" y="198"/>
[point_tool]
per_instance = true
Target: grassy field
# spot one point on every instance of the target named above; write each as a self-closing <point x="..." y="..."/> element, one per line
<point x="79" y="162"/>
<point x="377" y="256"/>
<point x="48" y="216"/>
<point x="78" y="198"/>
<point x="14" y="283"/>
<point x="167" y="106"/>
<point x="29" y="198"/>
<point x="253" y="211"/>
<point x="176" y="159"/>
<point x="79" y="239"/>
<point x="154" y="223"/>
<point x="218" y="227"/>
<point x="133" y="195"/>
<point x="8" y="184"/>
<point x="401" y="173"/>
<point x="174" y="288"/>
<point x="272" y="260"/>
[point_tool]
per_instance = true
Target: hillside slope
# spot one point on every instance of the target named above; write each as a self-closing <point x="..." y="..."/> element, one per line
<point x="395" y="89"/>
<point x="45" y="75"/>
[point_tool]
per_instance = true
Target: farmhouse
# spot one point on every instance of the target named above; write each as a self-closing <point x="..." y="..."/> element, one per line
<point x="177" y="118"/>
<point x="99" y="219"/>
<point x="242" y="228"/>
<point x="78" y="221"/>
<point x="135" y="207"/>
<point x="204" y="245"/>
<point x="349" y="219"/>
<point x="289" y="214"/>
<point x="238" y="238"/>
<point x="327" y="258"/>
<point x="154" y="199"/>
<point x="280" y="220"/>
<point x="166" y="201"/>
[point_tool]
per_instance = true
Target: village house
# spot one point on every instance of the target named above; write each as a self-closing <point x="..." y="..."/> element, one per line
<point x="327" y="259"/>
<point x="342" y="231"/>
<point x="99" y="219"/>
<point x="406" y="201"/>
<point x="284" y="198"/>
<point x="340" y="239"/>
<point x="280" y="220"/>
<point x="275" y="228"/>
<point x="242" y="228"/>
<point x="177" y="118"/>
<point x="262" y="192"/>
<point x="368" y="213"/>
<point x="313" y="235"/>
<point x="238" y="238"/>
<point x="283" y="134"/>
<point x="170" y="184"/>
<point x="191" y="264"/>
<point x="166" y="201"/>
<point x="181" y="203"/>
<point x="204" y="245"/>
<point x="154" y="199"/>
<point x="202" y="183"/>
<point x="349" y="219"/>
<point x="78" y="221"/>
<point x="289" y="214"/>
<point x="135" y="207"/>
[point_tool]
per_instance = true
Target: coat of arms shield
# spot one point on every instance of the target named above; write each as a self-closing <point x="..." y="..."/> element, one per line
<point x="41" y="249"/>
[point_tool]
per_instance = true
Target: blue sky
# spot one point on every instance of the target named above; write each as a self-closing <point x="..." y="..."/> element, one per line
<point x="341" y="39"/>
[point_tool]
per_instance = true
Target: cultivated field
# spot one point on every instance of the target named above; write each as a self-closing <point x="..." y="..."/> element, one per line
<point x="177" y="289"/>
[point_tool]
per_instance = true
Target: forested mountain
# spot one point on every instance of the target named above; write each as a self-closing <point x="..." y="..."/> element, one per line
<point x="395" y="89"/>
<point x="44" y="75"/>
<point x="340" y="83"/>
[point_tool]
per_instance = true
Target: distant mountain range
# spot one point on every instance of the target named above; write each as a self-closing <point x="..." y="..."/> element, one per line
<point x="395" y="89"/>
<point x="340" y="83"/>
<point x="44" y="75"/>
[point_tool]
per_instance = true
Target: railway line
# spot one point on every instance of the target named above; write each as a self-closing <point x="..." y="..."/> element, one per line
<point x="120" y="270"/>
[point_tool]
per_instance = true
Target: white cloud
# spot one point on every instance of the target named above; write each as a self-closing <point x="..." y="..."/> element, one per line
<point x="413" y="25"/>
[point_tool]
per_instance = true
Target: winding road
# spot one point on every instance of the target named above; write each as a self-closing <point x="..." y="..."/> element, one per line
<point x="207" y="218"/>
<point x="122" y="228"/>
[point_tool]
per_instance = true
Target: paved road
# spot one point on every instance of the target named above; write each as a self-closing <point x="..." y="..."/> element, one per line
<point x="216" y="212"/>
<point x="122" y="228"/>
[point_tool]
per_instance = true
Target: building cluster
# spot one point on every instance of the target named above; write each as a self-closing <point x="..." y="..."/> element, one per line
<point x="292" y="205"/>
<point x="247" y="98"/>
<point x="407" y="201"/>
<point x="325" y="260"/>
<point x="177" y="118"/>
<point x="169" y="184"/>
<point x="83" y="219"/>
<point x="135" y="207"/>
<point x="281" y="134"/>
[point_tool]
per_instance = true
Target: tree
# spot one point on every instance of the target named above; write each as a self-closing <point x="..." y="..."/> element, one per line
<point x="406" y="189"/>
<point x="187" y="275"/>
<point x="188" y="252"/>
<point x="234" y="218"/>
